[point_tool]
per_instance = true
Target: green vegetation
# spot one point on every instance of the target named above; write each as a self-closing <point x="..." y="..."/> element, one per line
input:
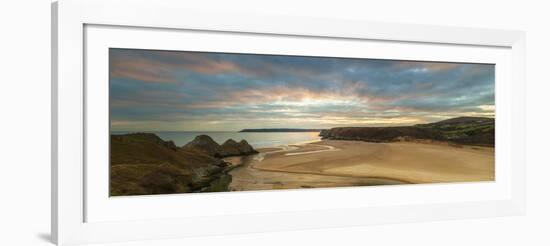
<point x="142" y="179"/>
<point x="465" y="130"/>
<point x="144" y="164"/>
<point x="220" y="184"/>
<point x="461" y="130"/>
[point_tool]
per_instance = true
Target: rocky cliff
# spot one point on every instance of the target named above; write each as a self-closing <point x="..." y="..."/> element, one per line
<point x="207" y="145"/>
<point x="204" y="144"/>
<point x="232" y="148"/>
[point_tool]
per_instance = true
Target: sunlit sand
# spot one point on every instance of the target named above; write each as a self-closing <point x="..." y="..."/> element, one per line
<point x="333" y="163"/>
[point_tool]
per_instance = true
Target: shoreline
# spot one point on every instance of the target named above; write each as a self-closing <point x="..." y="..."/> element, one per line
<point x="417" y="141"/>
<point x="454" y="150"/>
<point x="341" y="163"/>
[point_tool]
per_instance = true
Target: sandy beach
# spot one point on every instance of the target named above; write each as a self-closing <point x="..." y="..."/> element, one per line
<point x="338" y="163"/>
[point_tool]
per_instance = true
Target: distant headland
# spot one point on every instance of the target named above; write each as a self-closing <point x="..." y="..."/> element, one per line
<point x="281" y="130"/>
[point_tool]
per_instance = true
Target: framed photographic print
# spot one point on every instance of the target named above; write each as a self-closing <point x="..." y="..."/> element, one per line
<point x="168" y="125"/>
<point x="193" y="122"/>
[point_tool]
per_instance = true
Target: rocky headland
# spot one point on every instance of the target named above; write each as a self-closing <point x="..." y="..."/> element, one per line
<point x="143" y="164"/>
<point x="462" y="130"/>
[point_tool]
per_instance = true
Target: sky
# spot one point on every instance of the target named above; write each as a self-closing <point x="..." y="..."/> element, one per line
<point x="198" y="91"/>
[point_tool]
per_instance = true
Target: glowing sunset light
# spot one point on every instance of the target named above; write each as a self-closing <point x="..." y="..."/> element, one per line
<point x="198" y="91"/>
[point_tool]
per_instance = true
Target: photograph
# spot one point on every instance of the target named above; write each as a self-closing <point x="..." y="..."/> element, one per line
<point x="195" y="122"/>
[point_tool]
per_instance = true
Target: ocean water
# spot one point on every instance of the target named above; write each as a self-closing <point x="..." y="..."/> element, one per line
<point x="256" y="139"/>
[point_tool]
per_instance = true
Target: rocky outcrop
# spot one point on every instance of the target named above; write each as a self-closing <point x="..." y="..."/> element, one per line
<point x="324" y="133"/>
<point x="246" y="148"/>
<point x="234" y="148"/>
<point x="207" y="145"/>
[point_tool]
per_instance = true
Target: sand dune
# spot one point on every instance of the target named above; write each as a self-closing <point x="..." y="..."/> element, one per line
<point x="333" y="163"/>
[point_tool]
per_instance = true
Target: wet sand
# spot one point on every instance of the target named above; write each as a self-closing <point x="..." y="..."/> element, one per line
<point x="331" y="163"/>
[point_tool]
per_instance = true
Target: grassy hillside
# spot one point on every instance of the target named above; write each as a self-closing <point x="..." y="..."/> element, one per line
<point x="465" y="130"/>
<point x="142" y="163"/>
<point x="461" y="130"/>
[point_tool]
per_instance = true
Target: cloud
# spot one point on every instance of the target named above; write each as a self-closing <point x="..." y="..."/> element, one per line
<point x="163" y="66"/>
<point x="426" y="66"/>
<point x="261" y="90"/>
<point x="123" y="65"/>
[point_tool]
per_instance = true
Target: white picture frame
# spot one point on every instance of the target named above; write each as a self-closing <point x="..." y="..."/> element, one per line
<point x="82" y="214"/>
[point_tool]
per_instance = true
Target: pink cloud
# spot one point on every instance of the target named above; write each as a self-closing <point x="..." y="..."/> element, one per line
<point x="139" y="68"/>
<point x="166" y="63"/>
<point x="163" y="71"/>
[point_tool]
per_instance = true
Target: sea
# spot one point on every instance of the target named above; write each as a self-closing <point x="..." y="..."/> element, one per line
<point x="256" y="139"/>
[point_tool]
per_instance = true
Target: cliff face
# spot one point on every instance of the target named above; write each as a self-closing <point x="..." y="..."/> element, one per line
<point x="143" y="163"/>
<point x="230" y="147"/>
<point x="205" y="144"/>
<point x="462" y="130"/>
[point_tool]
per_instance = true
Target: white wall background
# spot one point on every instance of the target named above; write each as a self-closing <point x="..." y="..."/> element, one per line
<point x="25" y="123"/>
